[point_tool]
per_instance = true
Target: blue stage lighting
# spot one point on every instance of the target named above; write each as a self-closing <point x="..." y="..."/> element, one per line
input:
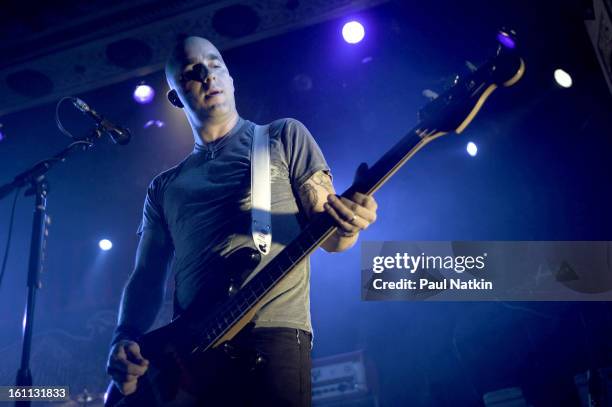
<point x="143" y="94"/>
<point x="353" y="32"/>
<point x="472" y="149"/>
<point x="154" y="123"/>
<point x="506" y="40"/>
<point x="562" y="78"/>
<point x="105" y="244"/>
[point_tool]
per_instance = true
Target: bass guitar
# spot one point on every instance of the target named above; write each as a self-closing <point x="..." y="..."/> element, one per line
<point x="196" y="333"/>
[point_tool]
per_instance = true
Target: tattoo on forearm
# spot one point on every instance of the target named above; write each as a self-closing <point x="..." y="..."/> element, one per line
<point x="322" y="179"/>
<point x="312" y="192"/>
<point x="308" y="196"/>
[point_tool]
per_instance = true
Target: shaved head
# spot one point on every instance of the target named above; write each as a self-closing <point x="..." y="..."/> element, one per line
<point x="185" y="47"/>
<point x="197" y="72"/>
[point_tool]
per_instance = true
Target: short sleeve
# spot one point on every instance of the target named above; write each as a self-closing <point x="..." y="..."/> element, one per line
<point x="303" y="155"/>
<point x="152" y="213"/>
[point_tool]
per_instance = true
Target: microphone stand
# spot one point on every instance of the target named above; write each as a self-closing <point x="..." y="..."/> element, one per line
<point x="39" y="187"/>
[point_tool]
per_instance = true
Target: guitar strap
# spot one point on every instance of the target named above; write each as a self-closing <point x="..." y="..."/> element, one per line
<point x="261" y="195"/>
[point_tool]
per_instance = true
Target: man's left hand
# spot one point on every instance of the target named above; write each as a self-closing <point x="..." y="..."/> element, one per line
<point x="354" y="213"/>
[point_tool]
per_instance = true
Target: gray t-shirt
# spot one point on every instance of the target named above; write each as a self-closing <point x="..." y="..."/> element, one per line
<point x="203" y="206"/>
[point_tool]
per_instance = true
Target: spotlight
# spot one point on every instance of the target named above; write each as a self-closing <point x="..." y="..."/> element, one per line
<point x="563" y="78"/>
<point x="154" y="123"/>
<point x="472" y="149"/>
<point x="105" y="244"/>
<point x="353" y="32"/>
<point x="143" y="94"/>
<point x="506" y="39"/>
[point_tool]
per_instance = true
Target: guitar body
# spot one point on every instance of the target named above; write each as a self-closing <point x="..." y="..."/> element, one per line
<point x="172" y="379"/>
<point x="177" y="352"/>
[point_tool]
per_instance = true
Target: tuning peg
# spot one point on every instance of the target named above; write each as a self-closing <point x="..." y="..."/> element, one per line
<point x="451" y="81"/>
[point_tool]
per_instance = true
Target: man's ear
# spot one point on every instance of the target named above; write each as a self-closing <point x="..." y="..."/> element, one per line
<point x="174" y="99"/>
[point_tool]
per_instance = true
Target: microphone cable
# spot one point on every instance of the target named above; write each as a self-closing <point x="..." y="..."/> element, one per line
<point x="57" y="118"/>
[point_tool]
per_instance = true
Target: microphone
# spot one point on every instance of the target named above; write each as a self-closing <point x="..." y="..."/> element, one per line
<point x="119" y="135"/>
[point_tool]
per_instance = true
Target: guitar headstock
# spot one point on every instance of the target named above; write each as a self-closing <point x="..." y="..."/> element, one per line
<point x="453" y="110"/>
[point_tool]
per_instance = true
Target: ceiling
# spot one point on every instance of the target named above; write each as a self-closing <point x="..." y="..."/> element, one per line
<point x="70" y="46"/>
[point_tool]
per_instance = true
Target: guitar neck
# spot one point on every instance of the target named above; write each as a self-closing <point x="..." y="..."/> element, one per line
<point x="312" y="236"/>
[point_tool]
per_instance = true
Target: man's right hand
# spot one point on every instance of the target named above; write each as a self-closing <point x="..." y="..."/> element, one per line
<point x="125" y="365"/>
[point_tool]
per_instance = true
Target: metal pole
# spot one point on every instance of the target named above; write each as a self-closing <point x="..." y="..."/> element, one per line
<point x="39" y="189"/>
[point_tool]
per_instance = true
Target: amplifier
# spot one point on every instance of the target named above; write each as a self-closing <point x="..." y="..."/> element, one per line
<point x="341" y="378"/>
<point x="510" y="397"/>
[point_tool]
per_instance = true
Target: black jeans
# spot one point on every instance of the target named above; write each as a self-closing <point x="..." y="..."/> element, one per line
<point x="261" y="367"/>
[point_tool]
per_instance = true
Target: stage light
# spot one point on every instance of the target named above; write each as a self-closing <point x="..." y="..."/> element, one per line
<point x="154" y="123"/>
<point x="472" y="149"/>
<point x="563" y="78"/>
<point x="506" y="40"/>
<point x="353" y="32"/>
<point x="105" y="244"/>
<point x="1" y="133"/>
<point x="143" y="93"/>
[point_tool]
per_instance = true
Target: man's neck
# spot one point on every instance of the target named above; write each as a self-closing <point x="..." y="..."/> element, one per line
<point x="213" y="129"/>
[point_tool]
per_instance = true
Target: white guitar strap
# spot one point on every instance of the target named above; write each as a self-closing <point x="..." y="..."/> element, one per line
<point x="261" y="194"/>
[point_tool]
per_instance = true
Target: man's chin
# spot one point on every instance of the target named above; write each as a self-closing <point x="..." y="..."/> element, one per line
<point x="214" y="110"/>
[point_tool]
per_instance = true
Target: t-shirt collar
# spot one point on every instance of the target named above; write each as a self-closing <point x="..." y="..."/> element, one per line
<point x="216" y="145"/>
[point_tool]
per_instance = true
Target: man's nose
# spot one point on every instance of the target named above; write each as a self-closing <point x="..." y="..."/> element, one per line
<point x="205" y="75"/>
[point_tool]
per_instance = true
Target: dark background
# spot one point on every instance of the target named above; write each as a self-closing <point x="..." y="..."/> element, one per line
<point x="542" y="173"/>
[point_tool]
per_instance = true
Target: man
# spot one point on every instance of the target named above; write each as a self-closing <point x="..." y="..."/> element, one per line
<point x="198" y="212"/>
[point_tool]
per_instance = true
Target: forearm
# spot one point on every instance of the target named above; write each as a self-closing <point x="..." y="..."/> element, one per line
<point x="140" y="304"/>
<point x="339" y="242"/>
<point x="317" y="195"/>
